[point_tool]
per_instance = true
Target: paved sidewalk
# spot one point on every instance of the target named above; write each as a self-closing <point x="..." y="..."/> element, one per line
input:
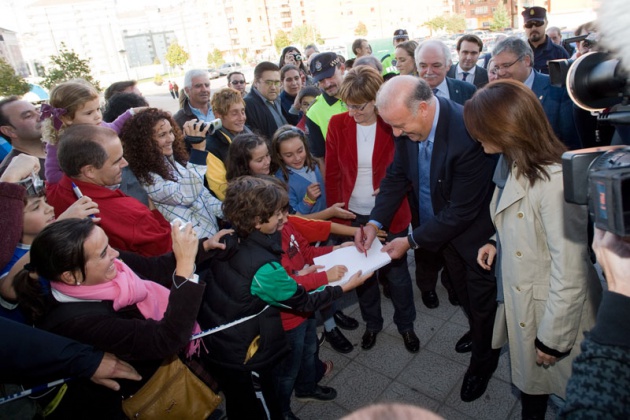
<point x="431" y="378"/>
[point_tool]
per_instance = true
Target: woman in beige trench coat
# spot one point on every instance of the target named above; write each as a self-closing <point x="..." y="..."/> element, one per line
<point x="548" y="288"/>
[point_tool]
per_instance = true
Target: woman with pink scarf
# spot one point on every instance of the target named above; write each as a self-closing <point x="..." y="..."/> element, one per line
<point x="76" y="286"/>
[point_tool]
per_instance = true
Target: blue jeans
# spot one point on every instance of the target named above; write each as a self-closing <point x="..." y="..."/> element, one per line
<point x="400" y="288"/>
<point x="298" y="370"/>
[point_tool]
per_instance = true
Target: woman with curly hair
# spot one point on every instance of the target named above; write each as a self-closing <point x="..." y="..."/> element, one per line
<point x="154" y="147"/>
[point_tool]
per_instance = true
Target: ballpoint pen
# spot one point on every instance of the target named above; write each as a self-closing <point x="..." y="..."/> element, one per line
<point x="363" y="238"/>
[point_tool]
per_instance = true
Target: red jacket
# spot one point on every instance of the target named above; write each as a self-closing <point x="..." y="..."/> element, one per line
<point x="297" y="253"/>
<point x="342" y="165"/>
<point x="128" y="223"/>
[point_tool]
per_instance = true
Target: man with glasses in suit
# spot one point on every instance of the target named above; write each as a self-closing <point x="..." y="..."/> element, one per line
<point x="262" y="104"/>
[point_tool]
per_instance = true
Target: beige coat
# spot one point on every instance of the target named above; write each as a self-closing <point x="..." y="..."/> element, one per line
<point x="551" y="289"/>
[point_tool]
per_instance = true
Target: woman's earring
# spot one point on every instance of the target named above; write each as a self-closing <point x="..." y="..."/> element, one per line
<point x="78" y="283"/>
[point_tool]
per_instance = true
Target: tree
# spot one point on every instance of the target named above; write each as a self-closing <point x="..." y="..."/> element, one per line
<point x="305" y="34"/>
<point x="500" y="19"/>
<point x="281" y="40"/>
<point x="361" y="29"/>
<point x="10" y="82"/>
<point x="215" y="58"/>
<point x="436" y="24"/>
<point x="176" y="56"/>
<point x="68" y="65"/>
<point x="455" y="24"/>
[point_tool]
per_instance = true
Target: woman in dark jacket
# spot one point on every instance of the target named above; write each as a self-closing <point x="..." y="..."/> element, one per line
<point x="76" y="286"/>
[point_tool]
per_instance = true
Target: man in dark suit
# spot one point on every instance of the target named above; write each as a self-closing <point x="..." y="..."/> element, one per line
<point x="433" y="60"/>
<point x="451" y="180"/>
<point x="262" y="104"/>
<point x="468" y="48"/>
<point x="513" y="59"/>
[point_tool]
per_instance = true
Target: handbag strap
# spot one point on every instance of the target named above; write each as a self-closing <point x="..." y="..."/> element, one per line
<point x="226" y="326"/>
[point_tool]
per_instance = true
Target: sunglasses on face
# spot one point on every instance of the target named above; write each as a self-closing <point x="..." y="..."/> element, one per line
<point x="535" y="23"/>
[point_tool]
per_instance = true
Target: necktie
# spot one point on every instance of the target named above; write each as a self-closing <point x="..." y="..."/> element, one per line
<point x="424" y="171"/>
<point x="435" y="91"/>
<point x="465" y="74"/>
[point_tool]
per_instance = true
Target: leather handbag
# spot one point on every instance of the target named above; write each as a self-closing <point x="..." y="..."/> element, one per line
<point x="173" y="392"/>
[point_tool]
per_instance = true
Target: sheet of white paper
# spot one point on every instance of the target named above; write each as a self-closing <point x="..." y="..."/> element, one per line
<point x="354" y="260"/>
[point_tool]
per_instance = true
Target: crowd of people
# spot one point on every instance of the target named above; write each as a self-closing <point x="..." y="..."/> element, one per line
<point x="126" y="235"/>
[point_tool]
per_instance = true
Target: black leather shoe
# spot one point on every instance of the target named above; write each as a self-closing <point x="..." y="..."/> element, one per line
<point x="338" y="341"/>
<point x="464" y="344"/>
<point x="345" y="322"/>
<point x="368" y="340"/>
<point x="474" y="386"/>
<point x="321" y="393"/>
<point x="412" y="342"/>
<point x="430" y="299"/>
<point x="452" y="297"/>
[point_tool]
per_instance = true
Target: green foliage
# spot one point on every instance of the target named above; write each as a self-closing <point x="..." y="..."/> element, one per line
<point x="281" y="40"/>
<point x="176" y="56"/>
<point x="10" y="82"/>
<point x="157" y="61"/>
<point x="68" y="65"/>
<point x="500" y="19"/>
<point x="361" y="29"/>
<point x="158" y="79"/>
<point x="215" y="58"/>
<point x="305" y="34"/>
<point x="447" y="22"/>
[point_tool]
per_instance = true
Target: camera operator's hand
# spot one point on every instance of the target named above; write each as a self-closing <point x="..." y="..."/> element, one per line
<point x="21" y="166"/>
<point x="196" y="129"/>
<point x="613" y="254"/>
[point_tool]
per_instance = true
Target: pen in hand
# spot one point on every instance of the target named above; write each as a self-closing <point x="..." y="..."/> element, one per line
<point x="363" y="238"/>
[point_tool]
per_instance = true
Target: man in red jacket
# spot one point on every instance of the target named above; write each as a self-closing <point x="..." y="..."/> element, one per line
<point x="91" y="158"/>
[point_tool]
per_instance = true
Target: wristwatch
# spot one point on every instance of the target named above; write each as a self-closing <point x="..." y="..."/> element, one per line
<point x="412" y="244"/>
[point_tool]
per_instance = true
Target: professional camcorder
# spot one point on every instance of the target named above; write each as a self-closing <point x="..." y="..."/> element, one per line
<point x="599" y="177"/>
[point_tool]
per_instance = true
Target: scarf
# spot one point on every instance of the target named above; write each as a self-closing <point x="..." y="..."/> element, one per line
<point x="127" y="289"/>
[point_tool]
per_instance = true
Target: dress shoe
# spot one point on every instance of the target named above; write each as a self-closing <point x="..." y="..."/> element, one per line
<point x="338" y="341"/>
<point x="474" y="386"/>
<point x="321" y="337"/>
<point x="345" y="322"/>
<point x="430" y="299"/>
<point x="412" y="342"/>
<point x="321" y="393"/>
<point x="368" y="340"/>
<point x="464" y="344"/>
<point x="452" y="297"/>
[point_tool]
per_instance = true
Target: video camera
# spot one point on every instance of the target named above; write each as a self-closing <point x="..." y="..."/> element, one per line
<point x="599" y="177"/>
<point x="214" y="126"/>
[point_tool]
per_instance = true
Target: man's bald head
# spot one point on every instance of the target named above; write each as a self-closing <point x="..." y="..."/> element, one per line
<point x="409" y="90"/>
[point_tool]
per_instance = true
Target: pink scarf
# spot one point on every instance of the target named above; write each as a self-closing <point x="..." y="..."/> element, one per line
<point x="127" y="289"/>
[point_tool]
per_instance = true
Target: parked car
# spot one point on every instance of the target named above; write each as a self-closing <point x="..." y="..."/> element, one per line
<point x="227" y="68"/>
<point x="214" y="73"/>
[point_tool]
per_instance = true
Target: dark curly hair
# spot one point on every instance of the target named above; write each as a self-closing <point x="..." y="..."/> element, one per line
<point x="250" y="200"/>
<point x="142" y="152"/>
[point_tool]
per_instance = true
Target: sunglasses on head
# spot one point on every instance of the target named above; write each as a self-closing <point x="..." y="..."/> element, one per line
<point x="532" y="23"/>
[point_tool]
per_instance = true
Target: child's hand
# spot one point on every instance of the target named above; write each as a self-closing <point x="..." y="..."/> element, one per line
<point x="313" y="191"/>
<point x="343" y="245"/>
<point x="215" y="241"/>
<point x="309" y="270"/>
<point x="356" y="280"/>
<point x="338" y="211"/>
<point x="82" y="208"/>
<point x="336" y="273"/>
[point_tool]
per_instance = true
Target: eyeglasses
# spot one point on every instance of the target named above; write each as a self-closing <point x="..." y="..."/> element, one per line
<point x="238" y="82"/>
<point x="357" y="107"/>
<point x="497" y="69"/>
<point x="533" y="23"/>
<point x="271" y="83"/>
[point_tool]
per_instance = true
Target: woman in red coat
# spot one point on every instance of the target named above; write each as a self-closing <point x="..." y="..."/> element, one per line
<point x="359" y="147"/>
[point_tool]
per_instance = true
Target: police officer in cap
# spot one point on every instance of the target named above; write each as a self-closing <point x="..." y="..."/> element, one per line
<point x="389" y="66"/>
<point x="535" y="24"/>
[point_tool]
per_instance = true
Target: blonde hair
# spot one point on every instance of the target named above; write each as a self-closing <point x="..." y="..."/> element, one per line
<point x="70" y="96"/>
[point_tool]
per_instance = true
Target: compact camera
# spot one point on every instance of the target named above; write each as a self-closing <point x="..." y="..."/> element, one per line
<point x="297" y="56"/>
<point x="33" y="184"/>
<point x="214" y="126"/>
